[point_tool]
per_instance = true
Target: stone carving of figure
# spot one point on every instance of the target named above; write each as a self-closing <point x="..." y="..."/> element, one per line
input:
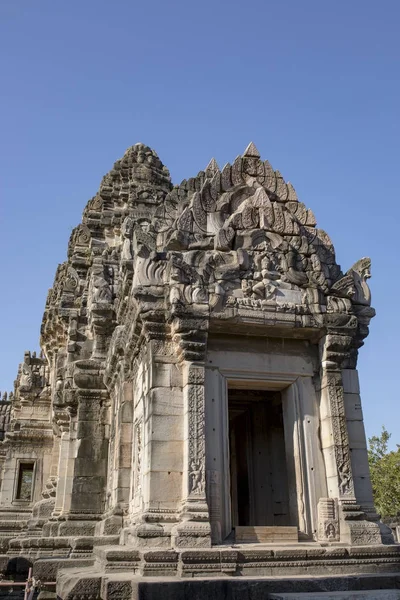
<point x="26" y="380"/>
<point x="126" y="230"/>
<point x="73" y="327"/>
<point x="361" y="272"/>
<point x="344" y="477"/>
<point x="177" y="277"/>
<point x="247" y="288"/>
<point x="293" y="274"/>
<point x="354" y="284"/>
<point x="175" y="296"/>
<point x="58" y="394"/>
<point x="196" y="477"/>
<point x="143" y="240"/>
<point x="330" y="531"/>
<point x="267" y="278"/>
<point x="263" y="289"/>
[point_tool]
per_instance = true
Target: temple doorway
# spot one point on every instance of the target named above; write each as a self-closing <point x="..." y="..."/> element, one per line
<point x="258" y="473"/>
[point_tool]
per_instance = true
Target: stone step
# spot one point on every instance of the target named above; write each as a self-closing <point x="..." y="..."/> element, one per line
<point x="85" y="582"/>
<point x="7" y="525"/>
<point x="250" y="561"/>
<point x="47" y="569"/>
<point x="266" y="534"/>
<point x="86" y="544"/>
<point x="117" y="559"/>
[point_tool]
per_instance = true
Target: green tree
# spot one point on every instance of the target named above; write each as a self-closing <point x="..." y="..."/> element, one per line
<point x="385" y="474"/>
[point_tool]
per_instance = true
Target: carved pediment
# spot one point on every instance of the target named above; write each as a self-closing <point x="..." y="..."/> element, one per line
<point x="230" y="243"/>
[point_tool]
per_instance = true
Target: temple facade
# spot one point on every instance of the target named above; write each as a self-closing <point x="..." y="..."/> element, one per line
<point x="195" y="408"/>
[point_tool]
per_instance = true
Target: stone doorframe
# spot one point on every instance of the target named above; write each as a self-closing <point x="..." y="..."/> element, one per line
<point x="304" y="459"/>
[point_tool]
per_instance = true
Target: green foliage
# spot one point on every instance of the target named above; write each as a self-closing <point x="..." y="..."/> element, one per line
<point x="385" y="474"/>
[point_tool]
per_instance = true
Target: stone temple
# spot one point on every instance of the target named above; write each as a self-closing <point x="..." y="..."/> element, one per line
<point x="194" y="415"/>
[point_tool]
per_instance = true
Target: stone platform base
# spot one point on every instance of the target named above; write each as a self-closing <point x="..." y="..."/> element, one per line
<point x="249" y="560"/>
<point x="120" y="572"/>
<point x="113" y="587"/>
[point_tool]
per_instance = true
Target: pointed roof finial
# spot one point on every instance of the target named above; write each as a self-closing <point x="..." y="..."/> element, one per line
<point x="212" y="168"/>
<point x="251" y="151"/>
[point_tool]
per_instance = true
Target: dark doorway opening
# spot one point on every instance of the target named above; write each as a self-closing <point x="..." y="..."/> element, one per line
<point x="17" y="569"/>
<point x="259" y="483"/>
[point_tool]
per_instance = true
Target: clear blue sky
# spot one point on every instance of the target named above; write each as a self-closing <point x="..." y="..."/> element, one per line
<point x="314" y="84"/>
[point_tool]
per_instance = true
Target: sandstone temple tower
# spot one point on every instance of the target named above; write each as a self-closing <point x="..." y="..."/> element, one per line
<point x="195" y="408"/>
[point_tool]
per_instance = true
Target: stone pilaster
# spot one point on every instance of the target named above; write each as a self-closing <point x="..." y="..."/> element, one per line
<point x="190" y="337"/>
<point x="83" y="454"/>
<point x="157" y="441"/>
<point x="359" y="451"/>
<point x="354" y="528"/>
<point x="194" y="528"/>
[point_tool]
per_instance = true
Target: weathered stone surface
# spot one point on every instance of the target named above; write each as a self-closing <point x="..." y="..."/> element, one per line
<point x="262" y="589"/>
<point x="176" y="306"/>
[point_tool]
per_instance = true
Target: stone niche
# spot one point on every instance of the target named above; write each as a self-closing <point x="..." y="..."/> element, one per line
<point x="195" y="409"/>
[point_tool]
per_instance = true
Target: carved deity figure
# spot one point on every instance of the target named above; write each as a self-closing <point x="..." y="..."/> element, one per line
<point x="344" y="477"/>
<point x="127" y="230"/>
<point x="267" y="277"/>
<point x="177" y="277"/>
<point x="330" y="531"/>
<point x="196" y="477"/>
<point x="143" y="240"/>
<point x="263" y="289"/>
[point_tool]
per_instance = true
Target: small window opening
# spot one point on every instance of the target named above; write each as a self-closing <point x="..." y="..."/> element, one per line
<point x="25" y="481"/>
